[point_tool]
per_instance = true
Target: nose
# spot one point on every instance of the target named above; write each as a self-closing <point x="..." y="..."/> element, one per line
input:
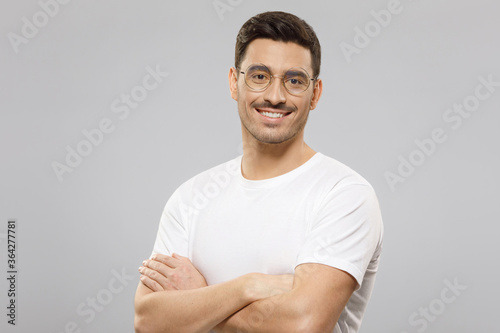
<point x="275" y="93"/>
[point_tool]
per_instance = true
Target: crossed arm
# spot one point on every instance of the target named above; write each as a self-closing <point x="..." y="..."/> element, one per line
<point x="174" y="297"/>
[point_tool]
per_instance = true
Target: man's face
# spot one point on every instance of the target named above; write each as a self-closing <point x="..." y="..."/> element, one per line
<point x="278" y="57"/>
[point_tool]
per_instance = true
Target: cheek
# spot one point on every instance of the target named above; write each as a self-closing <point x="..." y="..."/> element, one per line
<point x="303" y="105"/>
<point x="308" y="103"/>
<point x="246" y="99"/>
<point x="243" y="106"/>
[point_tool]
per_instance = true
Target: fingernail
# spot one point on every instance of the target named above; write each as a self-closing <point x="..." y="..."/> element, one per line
<point x="144" y="262"/>
<point x="140" y="269"/>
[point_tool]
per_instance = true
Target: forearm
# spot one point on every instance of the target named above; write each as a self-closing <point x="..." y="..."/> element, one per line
<point x="196" y="310"/>
<point x="281" y="313"/>
<point x="314" y="304"/>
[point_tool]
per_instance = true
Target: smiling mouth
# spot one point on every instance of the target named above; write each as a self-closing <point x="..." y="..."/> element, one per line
<point x="273" y="114"/>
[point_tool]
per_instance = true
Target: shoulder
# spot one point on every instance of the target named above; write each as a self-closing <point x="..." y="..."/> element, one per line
<point x="342" y="191"/>
<point x="336" y="175"/>
<point x="217" y="176"/>
<point x="349" y="199"/>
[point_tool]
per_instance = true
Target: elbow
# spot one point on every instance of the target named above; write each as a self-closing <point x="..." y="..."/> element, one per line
<point x="309" y="322"/>
<point x="304" y="324"/>
<point x="146" y="320"/>
<point x="143" y="324"/>
<point x="140" y="324"/>
<point x="308" y="325"/>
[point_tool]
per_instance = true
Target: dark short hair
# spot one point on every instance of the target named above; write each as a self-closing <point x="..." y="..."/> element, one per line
<point x="280" y="27"/>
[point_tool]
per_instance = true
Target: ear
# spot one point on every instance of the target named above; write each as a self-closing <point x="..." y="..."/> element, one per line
<point x="318" y="90"/>
<point x="233" y="83"/>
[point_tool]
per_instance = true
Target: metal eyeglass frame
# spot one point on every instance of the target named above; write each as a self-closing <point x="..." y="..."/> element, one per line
<point x="282" y="77"/>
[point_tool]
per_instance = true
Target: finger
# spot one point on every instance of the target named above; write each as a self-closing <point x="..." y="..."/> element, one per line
<point x="155" y="286"/>
<point x="158" y="256"/>
<point x="178" y="256"/>
<point x="166" y="260"/>
<point x="151" y="284"/>
<point x="155" y="276"/>
<point x="157" y="266"/>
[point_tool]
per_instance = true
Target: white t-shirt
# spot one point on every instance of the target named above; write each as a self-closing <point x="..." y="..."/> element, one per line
<point x="321" y="212"/>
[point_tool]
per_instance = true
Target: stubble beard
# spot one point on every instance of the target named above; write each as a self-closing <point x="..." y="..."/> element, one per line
<point x="272" y="133"/>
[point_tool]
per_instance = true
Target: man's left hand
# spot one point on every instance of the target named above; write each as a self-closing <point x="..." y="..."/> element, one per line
<point x="175" y="272"/>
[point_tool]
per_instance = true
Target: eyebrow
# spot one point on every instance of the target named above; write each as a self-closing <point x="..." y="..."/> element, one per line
<point x="265" y="67"/>
<point x="259" y="67"/>
<point x="296" y="73"/>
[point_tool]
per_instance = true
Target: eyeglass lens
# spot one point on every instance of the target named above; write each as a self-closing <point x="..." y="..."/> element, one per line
<point x="258" y="77"/>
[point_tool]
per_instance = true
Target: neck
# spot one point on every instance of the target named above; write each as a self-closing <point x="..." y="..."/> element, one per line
<point x="264" y="160"/>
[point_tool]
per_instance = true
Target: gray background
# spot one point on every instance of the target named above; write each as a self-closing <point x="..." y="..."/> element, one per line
<point x="102" y="217"/>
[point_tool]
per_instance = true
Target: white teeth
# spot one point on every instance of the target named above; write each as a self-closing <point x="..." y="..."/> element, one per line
<point x="272" y="114"/>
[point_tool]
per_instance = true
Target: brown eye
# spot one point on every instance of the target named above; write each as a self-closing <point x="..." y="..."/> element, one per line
<point x="257" y="77"/>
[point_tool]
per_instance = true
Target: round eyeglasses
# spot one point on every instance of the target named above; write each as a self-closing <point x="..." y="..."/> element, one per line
<point x="258" y="77"/>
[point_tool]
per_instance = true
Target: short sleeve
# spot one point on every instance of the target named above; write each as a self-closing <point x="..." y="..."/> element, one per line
<point x="172" y="236"/>
<point x="346" y="232"/>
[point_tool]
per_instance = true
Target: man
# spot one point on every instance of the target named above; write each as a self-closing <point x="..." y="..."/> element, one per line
<point x="280" y="239"/>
